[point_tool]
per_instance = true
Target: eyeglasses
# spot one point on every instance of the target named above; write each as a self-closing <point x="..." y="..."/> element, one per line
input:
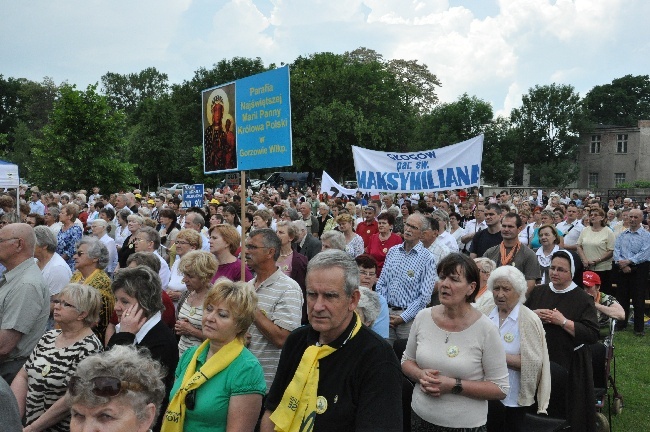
<point x="367" y="273"/>
<point x="78" y="253"/>
<point x="7" y="239"/>
<point x="63" y="303"/>
<point x="103" y="386"/>
<point x="181" y="242"/>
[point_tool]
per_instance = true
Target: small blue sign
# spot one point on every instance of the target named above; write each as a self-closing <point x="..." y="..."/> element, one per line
<point x="192" y="196"/>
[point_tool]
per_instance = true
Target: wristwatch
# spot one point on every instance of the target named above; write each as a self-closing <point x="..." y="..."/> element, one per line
<point x="458" y="388"/>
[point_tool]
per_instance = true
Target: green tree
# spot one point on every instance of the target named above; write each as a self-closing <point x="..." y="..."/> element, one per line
<point x="36" y="103"/>
<point x="623" y="102"/>
<point x="549" y="124"/>
<point x="499" y="152"/>
<point x="454" y="122"/>
<point x="125" y="92"/>
<point x="340" y="100"/>
<point x="82" y="145"/>
<point x="153" y="144"/>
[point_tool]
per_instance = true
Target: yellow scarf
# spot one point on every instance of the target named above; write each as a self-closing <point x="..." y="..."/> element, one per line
<point x="193" y="379"/>
<point x="299" y="399"/>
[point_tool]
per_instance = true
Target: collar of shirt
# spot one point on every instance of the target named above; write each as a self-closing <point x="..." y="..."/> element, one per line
<point x="148" y="325"/>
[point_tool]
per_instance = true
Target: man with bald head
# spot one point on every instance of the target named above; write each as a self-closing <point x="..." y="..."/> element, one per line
<point x="24" y="299"/>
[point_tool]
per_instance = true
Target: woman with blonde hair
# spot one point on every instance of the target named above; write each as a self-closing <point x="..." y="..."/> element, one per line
<point x="41" y="384"/>
<point x="197" y="267"/>
<point x="483" y="298"/>
<point x="353" y="242"/>
<point x="186" y="241"/>
<point x="219" y="380"/>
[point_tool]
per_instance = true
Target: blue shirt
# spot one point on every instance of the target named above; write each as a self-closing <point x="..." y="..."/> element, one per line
<point x="407" y="279"/>
<point x="633" y="246"/>
<point x="381" y="324"/>
<point x="37" y="207"/>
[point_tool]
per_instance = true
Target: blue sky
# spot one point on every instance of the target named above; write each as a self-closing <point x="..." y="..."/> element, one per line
<point x="494" y="49"/>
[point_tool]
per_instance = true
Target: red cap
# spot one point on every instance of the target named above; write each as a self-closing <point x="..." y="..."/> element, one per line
<point x="590" y="279"/>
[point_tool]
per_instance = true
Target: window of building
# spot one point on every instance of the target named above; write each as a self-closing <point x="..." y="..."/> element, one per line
<point x="595" y="144"/>
<point x="619" y="178"/>
<point x="621" y="143"/>
<point x="593" y="180"/>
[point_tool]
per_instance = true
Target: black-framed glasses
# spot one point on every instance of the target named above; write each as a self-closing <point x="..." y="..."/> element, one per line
<point x="103" y="386"/>
<point x="7" y="239"/>
<point x="63" y="303"/>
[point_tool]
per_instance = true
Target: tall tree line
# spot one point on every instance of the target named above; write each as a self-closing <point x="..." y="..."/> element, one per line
<point x="140" y="129"/>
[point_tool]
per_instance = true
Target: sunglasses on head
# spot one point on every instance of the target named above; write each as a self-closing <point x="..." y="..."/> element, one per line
<point x="103" y="386"/>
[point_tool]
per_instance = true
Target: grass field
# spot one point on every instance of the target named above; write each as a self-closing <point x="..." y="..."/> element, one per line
<point x="633" y="382"/>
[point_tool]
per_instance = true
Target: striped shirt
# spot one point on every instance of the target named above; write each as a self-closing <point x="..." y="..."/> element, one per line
<point x="633" y="246"/>
<point x="280" y="298"/>
<point x="48" y="370"/>
<point x="407" y="279"/>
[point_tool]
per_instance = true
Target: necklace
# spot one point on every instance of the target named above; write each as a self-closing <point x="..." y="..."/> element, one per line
<point x="286" y="255"/>
<point x="448" y="333"/>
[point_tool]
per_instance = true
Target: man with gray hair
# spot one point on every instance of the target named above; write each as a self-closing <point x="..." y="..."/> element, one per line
<point x="408" y="277"/>
<point x="307" y="245"/>
<point x="279" y="307"/>
<point x="147" y="239"/>
<point x="196" y="222"/>
<point x="335" y="372"/>
<point x="24" y="299"/>
<point x="310" y="220"/>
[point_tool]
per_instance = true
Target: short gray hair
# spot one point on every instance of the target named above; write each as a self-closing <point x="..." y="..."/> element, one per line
<point x="485" y="264"/>
<point x="54" y="211"/>
<point x="299" y="225"/>
<point x="45" y="237"/>
<point x="337" y="258"/>
<point x="335" y="238"/>
<point x="270" y="240"/>
<point x="511" y="275"/>
<point x="126" y="363"/>
<point x="134" y="218"/>
<point x="369" y="305"/>
<point x="86" y="299"/>
<point x="152" y="235"/>
<point x="96" y="250"/>
<point x="143" y="284"/>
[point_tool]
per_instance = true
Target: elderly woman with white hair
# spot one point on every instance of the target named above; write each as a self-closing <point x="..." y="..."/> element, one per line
<point x="99" y="230"/>
<point x="523" y="338"/>
<point x="369" y="306"/>
<point x="91" y="258"/>
<point x="333" y="239"/>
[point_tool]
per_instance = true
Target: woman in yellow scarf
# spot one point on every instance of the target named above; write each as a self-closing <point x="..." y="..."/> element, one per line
<point x="219" y="384"/>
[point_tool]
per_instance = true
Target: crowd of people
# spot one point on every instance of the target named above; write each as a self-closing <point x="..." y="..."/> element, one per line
<point x="288" y="310"/>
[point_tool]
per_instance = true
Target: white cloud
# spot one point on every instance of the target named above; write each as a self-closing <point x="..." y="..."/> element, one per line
<point x="495" y="50"/>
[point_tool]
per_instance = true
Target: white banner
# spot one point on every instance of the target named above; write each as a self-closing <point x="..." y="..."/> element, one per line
<point x="333" y="189"/>
<point x="453" y="167"/>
